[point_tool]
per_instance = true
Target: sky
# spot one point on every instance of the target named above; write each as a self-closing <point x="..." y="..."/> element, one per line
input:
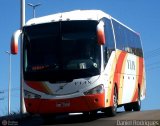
<point x="140" y="15"/>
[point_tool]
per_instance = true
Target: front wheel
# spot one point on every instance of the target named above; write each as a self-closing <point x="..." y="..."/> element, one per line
<point x="111" y="111"/>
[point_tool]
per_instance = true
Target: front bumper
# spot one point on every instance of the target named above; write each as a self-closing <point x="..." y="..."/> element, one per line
<point x="78" y="104"/>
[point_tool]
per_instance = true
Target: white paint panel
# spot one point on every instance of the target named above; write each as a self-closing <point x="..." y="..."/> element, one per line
<point x="71" y="15"/>
<point x="129" y="79"/>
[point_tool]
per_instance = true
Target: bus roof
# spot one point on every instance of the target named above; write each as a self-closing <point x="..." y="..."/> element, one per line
<point x="71" y="15"/>
<point x="74" y="15"/>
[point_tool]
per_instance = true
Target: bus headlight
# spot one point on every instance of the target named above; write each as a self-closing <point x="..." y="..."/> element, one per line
<point x="28" y="94"/>
<point x="96" y="90"/>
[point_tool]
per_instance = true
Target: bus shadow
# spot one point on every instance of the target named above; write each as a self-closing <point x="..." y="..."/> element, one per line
<point x="73" y="119"/>
<point x="36" y="120"/>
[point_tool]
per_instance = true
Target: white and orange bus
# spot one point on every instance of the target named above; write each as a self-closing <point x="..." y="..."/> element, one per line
<point x="81" y="61"/>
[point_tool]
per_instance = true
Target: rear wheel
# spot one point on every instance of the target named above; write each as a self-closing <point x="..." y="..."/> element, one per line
<point x="128" y="107"/>
<point x="137" y="104"/>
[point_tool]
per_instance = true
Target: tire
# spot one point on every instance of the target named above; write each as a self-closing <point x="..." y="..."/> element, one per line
<point x="112" y="111"/>
<point x="128" y="107"/>
<point x="137" y="105"/>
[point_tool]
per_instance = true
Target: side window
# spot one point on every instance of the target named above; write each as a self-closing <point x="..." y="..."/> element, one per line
<point x="127" y="40"/>
<point x="121" y="36"/>
<point x="109" y="45"/>
<point x="138" y="46"/>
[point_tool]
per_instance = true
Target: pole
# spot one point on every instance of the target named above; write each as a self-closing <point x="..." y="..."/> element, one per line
<point x="9" y="84"/>
<point x="22" y="20"/>
<point x="34" y="13"/>
<point x="34" y="8"/>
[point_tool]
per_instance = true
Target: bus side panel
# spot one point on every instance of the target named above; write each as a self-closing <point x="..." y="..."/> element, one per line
<point x="126" y="73"/>
<point x="141" y="79"/>
<point x="110" y="70"/>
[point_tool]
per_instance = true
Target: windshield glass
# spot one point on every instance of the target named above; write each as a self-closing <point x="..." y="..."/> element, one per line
<point x="61" y="50"/>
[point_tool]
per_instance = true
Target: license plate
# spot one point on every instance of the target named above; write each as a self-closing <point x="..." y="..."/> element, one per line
<point x="63" y="104"/>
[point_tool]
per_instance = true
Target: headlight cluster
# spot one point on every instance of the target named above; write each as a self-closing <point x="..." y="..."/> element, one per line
<point x="28" y="94"/>
<point x="96" y="90"/>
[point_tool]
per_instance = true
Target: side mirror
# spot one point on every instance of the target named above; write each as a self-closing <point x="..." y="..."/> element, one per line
<point x="101" y="33"/>
<point x="14" y="42"/>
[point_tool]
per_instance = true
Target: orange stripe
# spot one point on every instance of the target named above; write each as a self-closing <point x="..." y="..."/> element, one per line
<point x="39" y="86"/>
<point x="111" y="77"/>
<point x="140" y="70"/>
<point x="117" y="72"/>
<point x="140" y="79"/>
<point x="135" y="96"/>
<point x="120" y="92"/>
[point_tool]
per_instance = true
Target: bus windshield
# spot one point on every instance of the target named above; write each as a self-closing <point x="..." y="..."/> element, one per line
<point x="60" y="51"/>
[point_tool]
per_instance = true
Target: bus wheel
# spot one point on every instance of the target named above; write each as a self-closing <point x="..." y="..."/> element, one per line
<point x="128" y="107"/>
<point x="137" y="104"/>
<point x="111" y="111"/>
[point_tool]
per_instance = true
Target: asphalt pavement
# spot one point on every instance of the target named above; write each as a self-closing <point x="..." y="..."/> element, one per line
<point x="142" y="118"/>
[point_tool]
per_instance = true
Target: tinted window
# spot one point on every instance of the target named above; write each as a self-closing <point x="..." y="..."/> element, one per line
<point x="120" y="35"/>
<point x="109" y="45"/>
<point x="127" y="40"/>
